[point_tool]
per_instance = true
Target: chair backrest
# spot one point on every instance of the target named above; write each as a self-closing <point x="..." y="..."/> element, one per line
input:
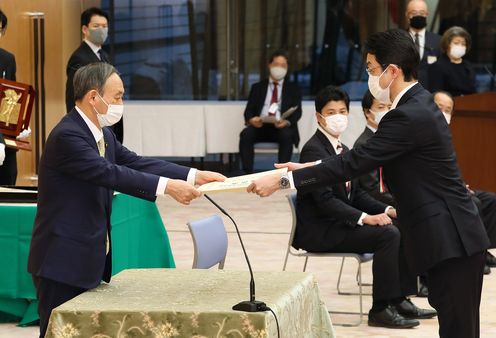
<point x="210" y="242"/>
<point x="292" y="203"/>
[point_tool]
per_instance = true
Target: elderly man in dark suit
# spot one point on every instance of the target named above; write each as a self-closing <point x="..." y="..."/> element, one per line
<point x="94" y="26"/>
<point x="82" y="164"/>
<point x="443" y="233"/>
<point x="8" y="157"/>
<point x="427" y="43"/>
<point x="344" y="218"/>
<point x="269" y="99"/>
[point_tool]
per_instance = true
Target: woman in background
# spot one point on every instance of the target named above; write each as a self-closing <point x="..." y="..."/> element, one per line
<point x="452" y="73"/>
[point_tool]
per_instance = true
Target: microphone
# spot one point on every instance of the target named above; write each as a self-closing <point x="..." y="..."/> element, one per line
<point x="251" y="305"/>
<point x="493" y="77"/>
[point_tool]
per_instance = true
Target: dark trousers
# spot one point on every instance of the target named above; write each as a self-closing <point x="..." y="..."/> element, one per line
<point x="8" y="171"/>
<point x="267" y="133"/>
<point x="487" y="210"/>
<point x="51" y="294"/>
<point x="455" y="287"/>
<point x="389" y="280"/>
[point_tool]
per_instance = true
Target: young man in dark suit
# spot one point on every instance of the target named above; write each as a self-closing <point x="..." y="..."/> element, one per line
<point x="94" y="26"/>
<point x="443" y="234"/>
<point x="269" y="99"/>
<point x="344" y="218"/>
<point x="8" y="167"/>
<point x="428" y="44"/>
<point x="81" y="166"/>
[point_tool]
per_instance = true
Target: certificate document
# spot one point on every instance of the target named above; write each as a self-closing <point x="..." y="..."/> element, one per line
<point x="238" y="183"/>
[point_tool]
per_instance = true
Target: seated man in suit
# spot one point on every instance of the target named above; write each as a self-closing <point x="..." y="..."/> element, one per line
<point x="427" y="43"/>
<point x="485" y="200"/>
<point x="269" y="99"/>
<point x="81" y="166"/>
<point x="344" y="218"/>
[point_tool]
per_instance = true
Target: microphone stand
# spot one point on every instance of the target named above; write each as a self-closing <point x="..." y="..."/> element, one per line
<point x="251" y="305"/>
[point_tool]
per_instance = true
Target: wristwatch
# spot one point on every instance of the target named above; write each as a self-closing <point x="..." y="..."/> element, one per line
<point x="284" y="182"/>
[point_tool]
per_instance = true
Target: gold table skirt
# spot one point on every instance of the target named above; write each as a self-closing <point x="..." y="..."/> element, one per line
<point x="193" y="303"/>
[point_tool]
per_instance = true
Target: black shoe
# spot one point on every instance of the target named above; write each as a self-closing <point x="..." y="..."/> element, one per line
<point x="487" y="269"/>
<point x="423" y="291"/>
<point x="409" y="310"/>
<point x="390" y="318"/>
<point x="490" y="260"/>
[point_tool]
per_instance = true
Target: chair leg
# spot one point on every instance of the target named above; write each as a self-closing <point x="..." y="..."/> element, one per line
<point x="339" y="277"/>
<point x="360" y="314"/>
<point x="358" y="279"/>
<point x="285" y="260"/>
<point x="305" y="265"/>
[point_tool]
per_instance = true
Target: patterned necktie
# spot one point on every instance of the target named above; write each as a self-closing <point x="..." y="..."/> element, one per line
<point x="101" y="147"/>
<point x="340" y="150"/>
<point x="102" y="55"/>
<point x="417" y="42"/>
<point x="274" y="93"/>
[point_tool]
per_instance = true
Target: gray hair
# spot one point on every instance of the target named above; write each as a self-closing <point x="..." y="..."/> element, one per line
<point x="92" y="76"/>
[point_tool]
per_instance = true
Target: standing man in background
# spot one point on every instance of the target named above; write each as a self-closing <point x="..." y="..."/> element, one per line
<point x="271" y="98"/>
<point x="94" y="26"/>
<point x="427" y="43"/>
<point x="8" y="157"/>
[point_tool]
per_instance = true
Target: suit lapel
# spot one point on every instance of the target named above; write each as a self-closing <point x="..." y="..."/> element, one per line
<point x="330" y="150"/>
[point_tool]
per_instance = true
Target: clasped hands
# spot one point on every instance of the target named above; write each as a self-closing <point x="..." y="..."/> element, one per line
<point x="184" y="193"/>
<point x="257" y="122"/>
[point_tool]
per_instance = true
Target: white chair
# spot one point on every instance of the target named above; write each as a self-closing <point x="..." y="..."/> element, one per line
<point x="210" y="242"/>
<point x="361" y="258"/>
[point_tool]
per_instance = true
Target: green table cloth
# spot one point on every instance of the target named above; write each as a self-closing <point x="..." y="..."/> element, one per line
<point x="139" y="240"/>
<point x="193" y="303"/>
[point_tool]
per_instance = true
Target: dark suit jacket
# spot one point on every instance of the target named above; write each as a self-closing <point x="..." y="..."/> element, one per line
<point x="290" y="97"/>
<point x="82" y="56"/>
<point x="8" y="171"/>
<point x="7" y="65"/>
<point x="75" y="201"/>
<point x="370" y="181"/>
<point x="326" y="214"/>
<point x="413" y="144"/>
<point x="432" y="48"/>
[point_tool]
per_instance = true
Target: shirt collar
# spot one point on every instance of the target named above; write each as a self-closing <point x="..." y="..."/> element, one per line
<point x="334" y="141"/>
<point x="95" y="131"/>
<point x="371" y="128"/>
<point x="279" y="83"/>
<point x="398" y="97"/>
<point x="93" y="47"/>
<point x="421" y="33"/>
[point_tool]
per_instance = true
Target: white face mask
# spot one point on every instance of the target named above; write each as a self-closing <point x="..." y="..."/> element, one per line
<point x="377" y="91"/>
<point x="113" y="115"/>
<point x="378" y="115"/>
<point x="278" y="73"/>
<point x="447" y="117"/>
<point x="457" y="51"/>
<point x="335" y="124"/>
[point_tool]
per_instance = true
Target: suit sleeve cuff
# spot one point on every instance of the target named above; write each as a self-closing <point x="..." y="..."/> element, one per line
<point x="360" y="220"/>
<point x="191" y="179"/>
<point x="161" y="186"/>
<point x="387" y="208"/>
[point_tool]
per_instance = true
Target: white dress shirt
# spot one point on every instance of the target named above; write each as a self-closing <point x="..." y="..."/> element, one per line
<point x="162" y="181"/>
<point x="94" y="48"/>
